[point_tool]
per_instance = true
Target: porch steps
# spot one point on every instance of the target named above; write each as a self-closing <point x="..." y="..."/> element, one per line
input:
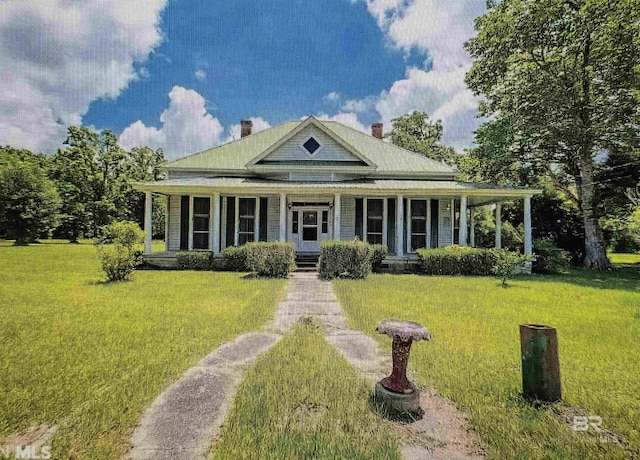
<point x="306" y="262"/>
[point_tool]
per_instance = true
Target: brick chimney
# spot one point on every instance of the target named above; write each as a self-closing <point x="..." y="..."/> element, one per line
<point x="245" y="128"/>
<point x="376" y="130"/>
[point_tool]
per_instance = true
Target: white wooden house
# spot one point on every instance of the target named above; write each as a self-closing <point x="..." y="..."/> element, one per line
<point x="309" y="181"/>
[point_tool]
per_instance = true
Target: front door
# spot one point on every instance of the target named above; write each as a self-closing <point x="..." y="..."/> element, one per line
<point x="310" y="235"/>
<point x="308" y="227"/>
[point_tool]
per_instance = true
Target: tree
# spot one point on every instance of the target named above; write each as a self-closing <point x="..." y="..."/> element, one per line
<point x="29" y="202"/>
<point x="565" y="73"/>
<point x="417" y="133"/>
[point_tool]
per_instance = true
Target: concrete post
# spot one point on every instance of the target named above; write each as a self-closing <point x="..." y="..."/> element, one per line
<point x="540" y="364"/>
<point x="498" y="226"/>
<point x="148" y="228"/>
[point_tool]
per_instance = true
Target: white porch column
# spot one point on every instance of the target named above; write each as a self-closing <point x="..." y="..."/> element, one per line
<point x="472" y="230"/>
<point x="364" y="220"/>
<point x="256" y="220"/>
<point x="528" y="242"/>
<point x="399" y="225"/>
<point x="283" y="217"/>
<point x="498" y="226"/>
<point x="215" y="209"/>
<point x="190" y="222"/>
<point x="337" y="216"/>
<point x="236" y="225"/>
<point x="148" y="229"/>
<point x="462" y="237"/>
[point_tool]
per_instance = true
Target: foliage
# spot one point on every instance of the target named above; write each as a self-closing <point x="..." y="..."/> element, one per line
<point x="344" y="259"/>
<point x="303" y="400"/>
<point x="378" y="253"/>
<point x="104" y="352"/>
<point x="457" y="260"/>
<point x="195" y="260"/>
<point x="548" y="257"/>
<point x="509" y="264"/>
<point x="235" y="258"/>
<point x="417" y="133"/>
<point x="474" y="356"/>
<point x="120" y="249"/>
<point x="634" y="226"/>
<point x="125" y="233"/>
<point x="29" y="202"/>
<point x="566" y="76"/>
<point x="270" y="259"/>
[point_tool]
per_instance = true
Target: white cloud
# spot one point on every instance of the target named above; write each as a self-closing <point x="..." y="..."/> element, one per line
<point x="346" y="118"/>
<point x="186" y="127"/>
<point x="332" y="97"/>
<point x="58" y="56"/>
<point x="258" y="124"/>
<point x="360" y="105"/>
<point x="200" y="74"/>
<point x="440" y="28"/>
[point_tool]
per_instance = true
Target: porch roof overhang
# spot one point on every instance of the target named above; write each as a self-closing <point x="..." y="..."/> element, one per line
<point x="478" y="194"/>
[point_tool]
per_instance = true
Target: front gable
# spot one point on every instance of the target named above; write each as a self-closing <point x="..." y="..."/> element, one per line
<point x="311" y="147"/>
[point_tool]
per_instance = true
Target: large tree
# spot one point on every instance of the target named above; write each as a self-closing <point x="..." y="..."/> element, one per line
<point x="566" y="74"/>
<point x="417" y="133"/>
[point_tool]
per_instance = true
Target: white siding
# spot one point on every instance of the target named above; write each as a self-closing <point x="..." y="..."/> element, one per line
<point x="445" y="225"/>
<point x="223" y="222"/>
<point x="174" y="223"/>
<point x="348" y="218"/>
<point x="273" y="219"/>
<point x="331" y="150"/>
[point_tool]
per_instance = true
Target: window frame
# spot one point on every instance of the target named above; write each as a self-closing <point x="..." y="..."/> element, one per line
<point x="256" y="219"/>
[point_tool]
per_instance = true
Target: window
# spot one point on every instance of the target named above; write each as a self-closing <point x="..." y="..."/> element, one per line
<point x="246" y="220"/>
<point x="311" y="145"/>
<point x="359" y="219"/>
<point x="374" y="221"/>
<point x="294" y="222"/>
<point x="418" y="224"/>
<point x="264" y="208"/>
<point x="325" y="221"/>
<point x="201" y="208"/>
<point x="309" y="225"/>
<point x="391" y="225"/>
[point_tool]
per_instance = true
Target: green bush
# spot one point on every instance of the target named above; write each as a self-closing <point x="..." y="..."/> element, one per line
<point x="120" y="249"/>
<point x="344" y="259"/>
<point x="549" y="257"/>
<point x="270" y="259"/>
<point x="378" y="253"/>
<point x="457" y="260"/>
<point x="235" y="258"/>
<point x="509" y="264"/>
<point x="195" y="260"/>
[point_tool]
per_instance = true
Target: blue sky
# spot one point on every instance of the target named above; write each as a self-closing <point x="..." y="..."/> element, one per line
<point x="181" y="74"/>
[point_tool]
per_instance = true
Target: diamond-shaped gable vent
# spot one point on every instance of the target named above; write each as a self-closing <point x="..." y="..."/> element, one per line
<point x="311" y="145"/>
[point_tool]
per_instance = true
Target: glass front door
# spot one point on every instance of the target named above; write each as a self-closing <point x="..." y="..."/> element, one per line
<point x="310" y="234"/>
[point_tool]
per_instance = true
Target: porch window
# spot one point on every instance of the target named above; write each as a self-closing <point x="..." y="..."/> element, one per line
<point x="294" y="222"/>
<point x="325" y="221"/>
<point x="374" y="221"/>
<point x="246" y="220"/>
<point x="418" y="224"/>
<point x="201" y="207"/>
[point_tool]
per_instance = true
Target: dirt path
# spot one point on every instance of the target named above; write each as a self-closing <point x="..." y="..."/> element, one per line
<point x="183" y="421"/>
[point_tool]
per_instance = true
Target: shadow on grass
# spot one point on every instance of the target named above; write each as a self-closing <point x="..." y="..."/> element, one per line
<point x="394" y="416"/>
<point x="626" y="279"/>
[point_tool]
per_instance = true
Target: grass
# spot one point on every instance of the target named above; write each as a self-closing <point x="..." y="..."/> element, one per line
<point x="303" y="400"/>
<point x="89" y="356"/>
<point x="623" y="259"/>
<point x="474" y="355"/>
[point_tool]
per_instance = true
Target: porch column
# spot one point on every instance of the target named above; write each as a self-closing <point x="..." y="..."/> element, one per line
<point x="528" y="242"/>
<point x="148" y="229"/>
<point x="283" y="217"/>
<point x="190" y="222"/>
<point x="215" y="209"/>
<point x="399" y="225"/>
<point x="462" y="237"/>
<point x="498" y="226"/>
<point x="472" y="230"/>
<point x="337" y="216"/>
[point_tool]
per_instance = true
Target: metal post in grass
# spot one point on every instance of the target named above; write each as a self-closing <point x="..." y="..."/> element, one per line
<point x="540" y="363"/>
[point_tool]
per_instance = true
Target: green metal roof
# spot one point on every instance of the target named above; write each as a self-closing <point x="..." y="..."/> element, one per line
<point x="235" y="155"/>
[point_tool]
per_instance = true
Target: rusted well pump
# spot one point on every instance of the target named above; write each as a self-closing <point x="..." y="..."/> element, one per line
<point x="396" y="392"/>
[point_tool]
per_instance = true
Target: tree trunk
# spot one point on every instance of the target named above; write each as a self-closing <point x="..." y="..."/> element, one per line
<point x="595" y="250"/>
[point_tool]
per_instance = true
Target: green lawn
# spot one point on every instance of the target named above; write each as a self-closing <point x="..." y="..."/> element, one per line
<point x="90" y="356"/>
<point x="302" y="400"/>
<point x="474" y="355"/>
<point x="622" y="259"/>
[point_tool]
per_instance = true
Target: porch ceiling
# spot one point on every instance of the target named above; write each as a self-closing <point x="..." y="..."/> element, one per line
<point x="477" y="193"/>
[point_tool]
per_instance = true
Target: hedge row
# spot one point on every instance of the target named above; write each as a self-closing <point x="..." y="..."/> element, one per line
<point x="457" y="260"/>
<point x="349" y="259"/>
<point x="265" y="259"/>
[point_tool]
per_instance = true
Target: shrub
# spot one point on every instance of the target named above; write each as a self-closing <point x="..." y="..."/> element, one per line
<point x="378" y="253"/>
<point x="235" y="258"/>
<point x="122" y="251"/>
<point x="549" y="257"/>
<point x="457" y="260"/>
<point x="509" y="264"/>
<point x="270" y="259"/>
<point x="344" y="259"/>
<point x="195" y="260"/>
